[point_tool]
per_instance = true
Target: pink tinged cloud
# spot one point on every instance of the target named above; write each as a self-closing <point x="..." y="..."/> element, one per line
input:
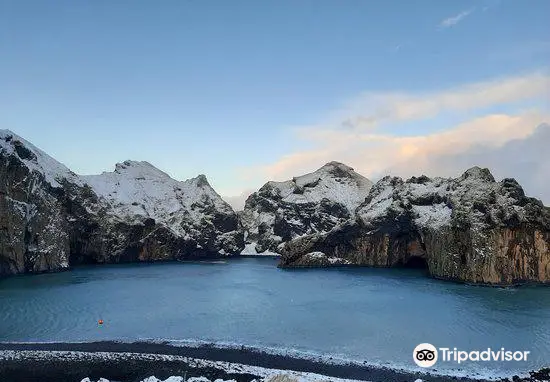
<point x="375" y="153"/>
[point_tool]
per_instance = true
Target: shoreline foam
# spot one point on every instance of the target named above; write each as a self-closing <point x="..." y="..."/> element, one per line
<point x="116" y="354"/>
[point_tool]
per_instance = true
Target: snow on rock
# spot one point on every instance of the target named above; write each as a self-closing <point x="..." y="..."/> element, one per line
<point x="471" y="228"/>
<point x="175" y="379"/>
<point x="250" y="250"/>
<point x="138" y="189"/>
<point x="52" y="218"/>
<point x="311" y="203"/>
<point x="35" y="159"/>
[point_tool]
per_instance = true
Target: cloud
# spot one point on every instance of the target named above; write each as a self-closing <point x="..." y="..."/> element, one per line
<point x="371" y="109"/>
<point x="374" y="154"/>
<point x="363" y="143"/>
<point x="237" y="201"/>
<point x="453" y="20"/>
<point x="525" y="159"/>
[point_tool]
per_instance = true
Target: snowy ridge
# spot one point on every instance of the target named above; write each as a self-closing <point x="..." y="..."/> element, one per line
<point x="138" y="189"/>
<point x="433" y="202"/>
<point x="132" y="189"/>
<point x="35" y="159"/>
<point x="135" y="213"/>
<point x="334" y="181"/>
<point x="424" y="196"/>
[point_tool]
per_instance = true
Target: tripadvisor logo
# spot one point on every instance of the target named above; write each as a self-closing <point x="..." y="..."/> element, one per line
<point x="426" y="355"/>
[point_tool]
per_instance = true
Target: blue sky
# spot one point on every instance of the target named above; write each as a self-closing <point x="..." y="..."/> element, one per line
<point x="233" y="88"/>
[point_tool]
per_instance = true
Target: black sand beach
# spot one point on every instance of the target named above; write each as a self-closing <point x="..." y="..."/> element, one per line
<point x="136" y="366"/>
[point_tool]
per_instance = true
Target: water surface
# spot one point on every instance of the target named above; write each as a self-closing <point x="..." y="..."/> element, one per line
<point x="374" y="315"/>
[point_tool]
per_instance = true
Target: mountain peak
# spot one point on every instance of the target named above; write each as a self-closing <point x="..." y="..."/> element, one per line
<point x="478" y="173"/>
<point x="6" y="133"/>
<point x="201" y="181"/>
<point x="139" y="169"/>
<point x="336" y="165"/>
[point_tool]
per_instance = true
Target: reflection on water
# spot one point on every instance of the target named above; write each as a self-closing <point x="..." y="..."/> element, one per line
<point x="378" y="315"/>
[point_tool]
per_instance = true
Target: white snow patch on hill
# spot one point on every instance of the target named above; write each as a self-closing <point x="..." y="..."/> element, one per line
<point x="250" y="250"/>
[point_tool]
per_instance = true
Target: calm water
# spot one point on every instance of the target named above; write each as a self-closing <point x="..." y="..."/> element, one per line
<point x="376" y="315"/>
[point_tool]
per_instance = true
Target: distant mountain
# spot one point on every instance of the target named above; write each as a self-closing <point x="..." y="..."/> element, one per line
<point x="311" y="203"/>
<point x="50" y="217"/>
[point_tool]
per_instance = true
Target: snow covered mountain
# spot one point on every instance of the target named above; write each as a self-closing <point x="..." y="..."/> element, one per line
<point x="312" y="203"/>
<point x="470" y="228"/>
<point x="51" y="218"/>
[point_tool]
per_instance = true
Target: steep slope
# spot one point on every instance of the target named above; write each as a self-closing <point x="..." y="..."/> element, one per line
<point x="33" y="227"/>
<point x="312" y="203"/>
<point x="51" y="218"/>
<point x="470" y="229"/>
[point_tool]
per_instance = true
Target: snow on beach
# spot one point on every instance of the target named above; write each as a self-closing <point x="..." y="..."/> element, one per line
<point x="264" y="374"/>
<point x="283" y="377"/>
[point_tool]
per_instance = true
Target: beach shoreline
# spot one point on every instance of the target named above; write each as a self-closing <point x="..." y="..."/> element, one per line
<point x="120" y="361"/>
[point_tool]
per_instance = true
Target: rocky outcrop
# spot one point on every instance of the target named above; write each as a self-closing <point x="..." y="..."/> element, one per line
<point x="51" y="218"/>
<point x="308" y="204"/>
<point x="470" y="229"/>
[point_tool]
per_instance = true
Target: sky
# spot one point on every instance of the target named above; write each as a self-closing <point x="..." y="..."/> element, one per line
<point x="248" y="91"/>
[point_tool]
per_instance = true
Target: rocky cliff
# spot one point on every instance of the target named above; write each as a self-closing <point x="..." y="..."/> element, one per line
<point x="51" y="218"/>
<point x="471" y="229"/>
<point x="309" y="204"/>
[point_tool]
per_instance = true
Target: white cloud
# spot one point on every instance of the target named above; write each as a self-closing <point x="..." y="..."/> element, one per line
<point x="364" y="145"/>
<point x="371" y="109"/>
<point x="453" y="20"/>
<point x="525" y="159"/>
<point x="373" y="154"/>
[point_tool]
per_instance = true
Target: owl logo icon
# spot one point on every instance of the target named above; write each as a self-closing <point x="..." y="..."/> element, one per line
<point x="425" y="355"/>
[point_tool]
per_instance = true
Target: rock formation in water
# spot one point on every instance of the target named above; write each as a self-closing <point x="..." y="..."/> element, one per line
<point x="51" y="218"/>
<point x="470" y="229"/>
<point x="309" y="204"/>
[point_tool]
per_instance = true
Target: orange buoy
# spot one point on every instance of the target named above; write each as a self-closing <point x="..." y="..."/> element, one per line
<point x="100" y="322"/>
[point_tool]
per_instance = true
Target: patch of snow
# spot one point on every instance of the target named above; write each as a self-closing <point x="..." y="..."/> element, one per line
<point x="316" y="255"/>
<point x="250" y="250"/>
<point x="338" y="260"/>
<point x="378" y="205"/>
<point x="433" y="216"/>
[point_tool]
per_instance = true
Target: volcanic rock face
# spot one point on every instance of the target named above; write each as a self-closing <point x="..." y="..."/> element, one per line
<point x="309" y="204"/>
<point x="470" y="229"/>
<point x="51" y="218"/>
